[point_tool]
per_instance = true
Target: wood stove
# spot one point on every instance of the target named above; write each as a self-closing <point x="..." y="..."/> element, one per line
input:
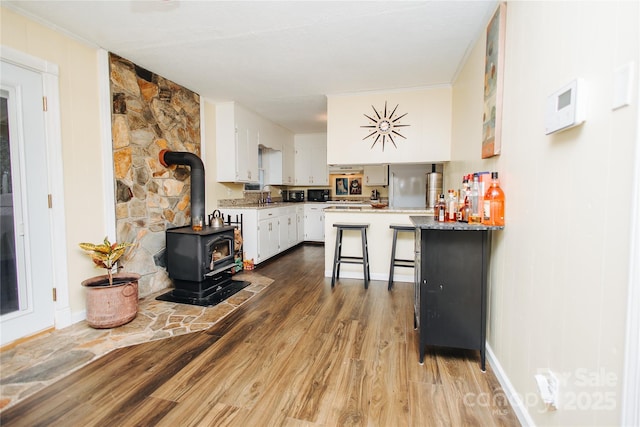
<point x="200" y="259"/>
<point x="200" y="263"/>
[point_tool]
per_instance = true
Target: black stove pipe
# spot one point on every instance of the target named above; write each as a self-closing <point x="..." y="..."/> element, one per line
<point x="168" y="158"/>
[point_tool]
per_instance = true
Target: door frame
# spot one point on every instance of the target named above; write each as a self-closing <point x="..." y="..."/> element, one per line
<point x="53" y="142"/>
<point x="631" y="374"/>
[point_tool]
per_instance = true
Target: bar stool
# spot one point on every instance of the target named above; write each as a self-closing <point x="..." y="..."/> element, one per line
<point x="338" y="258"/>
<point x="397" y="262"/>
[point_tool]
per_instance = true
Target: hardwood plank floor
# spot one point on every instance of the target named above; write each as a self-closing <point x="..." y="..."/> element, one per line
<point x="299" y="354"/>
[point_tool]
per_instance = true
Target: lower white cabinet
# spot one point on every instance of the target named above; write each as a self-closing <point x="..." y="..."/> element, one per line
<point x="299" y="224"/>
<point x="268" y="238"/>
<point x="267" y="231"/>
<point x="314" y="222"/>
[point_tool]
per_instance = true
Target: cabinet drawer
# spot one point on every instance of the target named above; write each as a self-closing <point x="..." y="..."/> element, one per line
<point x="268" y="213"/>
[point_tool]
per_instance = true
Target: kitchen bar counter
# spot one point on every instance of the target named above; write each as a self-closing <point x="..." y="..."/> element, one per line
<point x="379" y="236"/>
<point x="385" y="210"/>
<point x="428" y="223"/>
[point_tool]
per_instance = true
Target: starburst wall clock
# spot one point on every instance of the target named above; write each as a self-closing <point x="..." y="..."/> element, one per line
<point x="384" y="126"/>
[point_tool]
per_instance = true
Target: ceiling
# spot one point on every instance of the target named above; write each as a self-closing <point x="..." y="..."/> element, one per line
<point x="279" y="58"/>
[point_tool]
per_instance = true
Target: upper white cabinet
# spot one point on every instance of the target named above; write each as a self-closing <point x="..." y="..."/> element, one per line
<point x="288" y="163"/>
<point x="237" y="139"/>
<point x="279" y="163"/>
<point x="311" y="159"/>
<point x="410" y="126"/>
<point x="376" y="175"/>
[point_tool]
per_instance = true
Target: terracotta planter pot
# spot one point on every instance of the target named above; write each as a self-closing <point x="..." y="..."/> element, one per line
<point x="111" y="306"/>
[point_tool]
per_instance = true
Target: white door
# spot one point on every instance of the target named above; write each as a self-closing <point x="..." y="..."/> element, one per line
<point x="25" y="237"/>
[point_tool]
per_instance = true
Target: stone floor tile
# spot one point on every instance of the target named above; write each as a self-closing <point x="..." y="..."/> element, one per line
<point x="35" y="364"/>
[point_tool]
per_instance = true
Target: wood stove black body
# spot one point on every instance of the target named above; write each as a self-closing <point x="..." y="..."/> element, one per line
<point x="200" y="265"/>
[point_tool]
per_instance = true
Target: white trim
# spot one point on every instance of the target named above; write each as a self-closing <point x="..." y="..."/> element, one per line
<point x="514" y="398"/>
<point x="104" y="90"/>
<point x="630" y="412"/>
<point x="57" y="211"/>
<point x="25" y="60"/>
<point x="49" y="72"/>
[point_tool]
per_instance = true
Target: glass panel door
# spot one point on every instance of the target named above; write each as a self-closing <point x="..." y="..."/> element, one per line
<point x="10" y="292"/>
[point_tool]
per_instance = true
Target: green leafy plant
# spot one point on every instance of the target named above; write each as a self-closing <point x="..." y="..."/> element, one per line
<point x="106" y="254"/>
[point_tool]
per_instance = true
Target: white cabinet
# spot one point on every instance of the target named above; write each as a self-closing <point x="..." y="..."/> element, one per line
<point x="277" y="158"/>
<point x="314" y="222"/>
<point x="268" y="234"/>
<point x="237" y="138"/>
<point x="267" y="231"/>
<point x="288" y="228"/>
<point x="299" y="224"/>
<point x="311" y="159"/>
<point x="376" y="175"/>
<point x="288" y="163"/>
<point x="272" y="165"/>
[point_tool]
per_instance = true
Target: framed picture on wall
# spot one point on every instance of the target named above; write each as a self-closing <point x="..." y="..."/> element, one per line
<point x="342" y="187"/>
<point x="493" y="82"/>
<point x="355" y="186"/>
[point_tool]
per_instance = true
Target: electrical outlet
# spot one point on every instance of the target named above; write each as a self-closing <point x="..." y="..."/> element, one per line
<point x="549" y="388"/>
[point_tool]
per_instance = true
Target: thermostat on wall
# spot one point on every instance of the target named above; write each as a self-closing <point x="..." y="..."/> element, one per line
<point x="565" y="108"/>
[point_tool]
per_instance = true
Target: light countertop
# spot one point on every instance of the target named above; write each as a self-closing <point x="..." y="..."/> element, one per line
<point x="369" y="209"/>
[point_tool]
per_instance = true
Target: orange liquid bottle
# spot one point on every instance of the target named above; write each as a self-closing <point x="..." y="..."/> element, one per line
<point x="493" y="209"/>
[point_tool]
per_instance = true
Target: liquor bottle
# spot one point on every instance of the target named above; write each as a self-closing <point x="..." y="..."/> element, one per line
<point x="494" y="203"/>
<point x="462" y="193"/>
<point x="475" y="213"/>
<point x="463" y="213"/>
<point x="440" y="209"/>
<point x="451" y="212"/>
<point x="463" y="201"/>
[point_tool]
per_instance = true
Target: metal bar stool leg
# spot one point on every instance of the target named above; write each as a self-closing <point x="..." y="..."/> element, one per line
<point x="365" y="258"/>
<point x="393" y="258"/>
<point x="336" y="258"/>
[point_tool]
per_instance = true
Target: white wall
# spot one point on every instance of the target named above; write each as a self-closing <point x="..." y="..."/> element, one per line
<point x="427" y="138"/>
<point x="559" y="275"/>
<point x="81" y="143"/>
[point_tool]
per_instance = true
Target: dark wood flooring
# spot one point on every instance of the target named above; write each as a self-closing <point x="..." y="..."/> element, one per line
<point x="298" y="354"/>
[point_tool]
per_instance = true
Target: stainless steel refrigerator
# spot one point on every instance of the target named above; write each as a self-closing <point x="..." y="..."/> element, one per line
<point x="408" y="185"/>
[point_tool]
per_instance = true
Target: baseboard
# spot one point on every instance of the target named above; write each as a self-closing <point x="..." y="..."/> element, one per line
<point x="63" y="318"/>
<point x="512" y="394"/>
<point x="78" y="316"/>
<point x="379" y="276"/>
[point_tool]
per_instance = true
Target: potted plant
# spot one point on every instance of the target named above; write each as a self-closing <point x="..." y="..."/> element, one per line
<point x="111" y="299"/>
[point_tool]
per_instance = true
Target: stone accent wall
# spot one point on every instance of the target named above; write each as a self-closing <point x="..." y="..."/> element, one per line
<point x="149" y="114"/>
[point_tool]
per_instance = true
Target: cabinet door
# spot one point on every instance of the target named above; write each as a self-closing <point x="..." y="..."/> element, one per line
<point x="452" y="285"/>
<point x="376" y="175"/>
<point x="314" y="224"/>
<point x="292" y="226"/>
<point x="311" y="160"/>
<point x="283" y="232"/>
<point x="318" y="164"/>
<point x="288" y="165"/>
<point x="243" y="173"/>
<point x="302" y="174"/>
<point x="268" y="238"/>
<point x="299" y="225"/>
<point x="236" y="144"/>
<point x="272" y="165"/>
